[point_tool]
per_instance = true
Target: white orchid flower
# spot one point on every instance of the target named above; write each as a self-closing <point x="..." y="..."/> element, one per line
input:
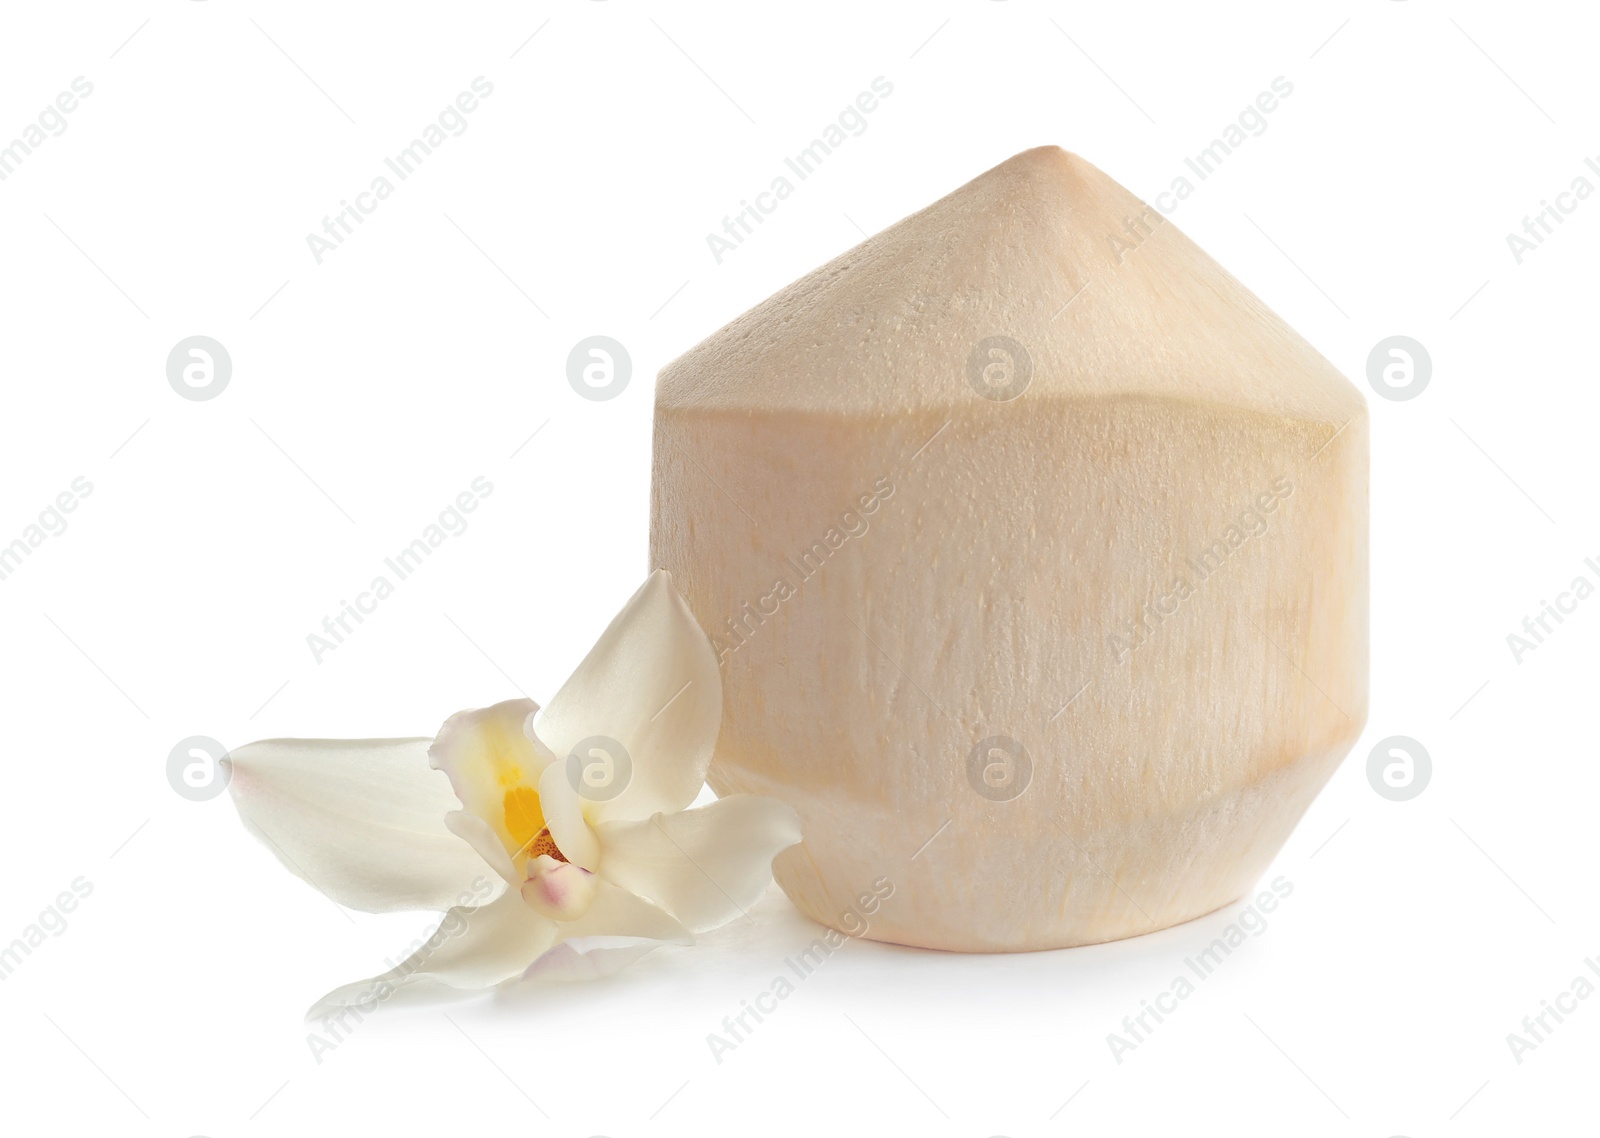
<point x="582" y="810"/>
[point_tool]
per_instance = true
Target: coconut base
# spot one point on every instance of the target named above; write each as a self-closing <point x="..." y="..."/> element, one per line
<point x="1083" y="888"/>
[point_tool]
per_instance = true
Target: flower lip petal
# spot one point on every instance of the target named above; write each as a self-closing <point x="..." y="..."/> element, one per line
<point x="481" y="836"/>
<point x="546" y="755"/>
<point x="650" y="684"/>
<point x="494" y="767"/>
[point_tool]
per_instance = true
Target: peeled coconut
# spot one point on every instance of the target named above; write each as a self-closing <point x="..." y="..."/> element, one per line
<point x="1034" y="550"/>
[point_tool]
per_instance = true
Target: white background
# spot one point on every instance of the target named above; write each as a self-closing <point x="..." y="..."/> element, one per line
<point x="369" y="390"/>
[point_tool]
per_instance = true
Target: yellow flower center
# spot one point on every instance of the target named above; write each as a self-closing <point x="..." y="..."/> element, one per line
<point x="524" y="816"/>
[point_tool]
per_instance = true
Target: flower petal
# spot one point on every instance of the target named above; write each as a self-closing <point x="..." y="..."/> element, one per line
<point x="650" y="683"/>
<point x="494" y="768"/>
<point x="617" y="929"/>
<point x="617" y="912"/>
<point x="472" y="948"/>
<point x="704" y="866"/>
<point x="360" y="819"/>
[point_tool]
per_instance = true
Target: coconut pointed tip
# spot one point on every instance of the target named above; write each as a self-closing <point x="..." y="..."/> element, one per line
<point x="1049" y="159"/>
